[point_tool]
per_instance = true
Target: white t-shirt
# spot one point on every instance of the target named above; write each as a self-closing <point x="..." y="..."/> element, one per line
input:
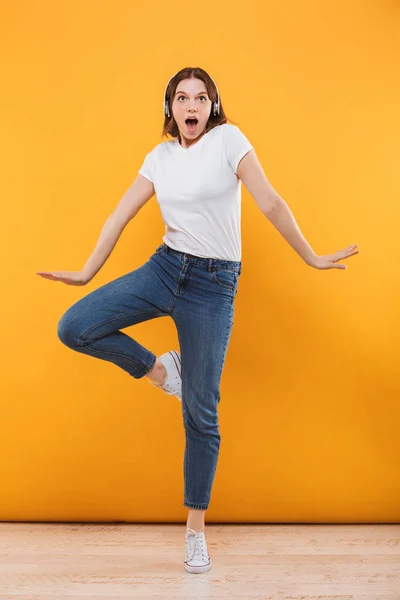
<point x="199" y="192"/>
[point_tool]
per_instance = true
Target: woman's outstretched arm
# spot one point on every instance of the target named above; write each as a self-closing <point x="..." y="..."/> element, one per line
<point x="131" y="202"/>
<point x="278" y="212"/>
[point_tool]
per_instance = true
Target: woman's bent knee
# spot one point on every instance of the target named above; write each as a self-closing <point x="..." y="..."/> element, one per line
<point x="67" y="331"/>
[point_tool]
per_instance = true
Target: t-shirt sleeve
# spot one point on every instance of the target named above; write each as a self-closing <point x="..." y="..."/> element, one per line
<point x="237" y="145"/>
<point x="147" y="167"/>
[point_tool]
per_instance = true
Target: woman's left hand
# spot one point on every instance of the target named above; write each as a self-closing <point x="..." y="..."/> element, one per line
<point x="329" y="260"/>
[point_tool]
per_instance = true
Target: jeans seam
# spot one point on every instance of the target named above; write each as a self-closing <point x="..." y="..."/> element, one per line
<point x="227" y="287"/>
<point x="132" y="360"/>
<point x="170" y="310"/>
<point x="195" y="506"/>
<point x="110" y="320"/>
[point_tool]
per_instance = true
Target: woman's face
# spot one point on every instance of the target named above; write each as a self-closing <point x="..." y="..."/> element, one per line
<point x="191" y="100"/>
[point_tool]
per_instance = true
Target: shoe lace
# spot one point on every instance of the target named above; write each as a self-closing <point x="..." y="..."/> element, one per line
<point x="196" y="547"/>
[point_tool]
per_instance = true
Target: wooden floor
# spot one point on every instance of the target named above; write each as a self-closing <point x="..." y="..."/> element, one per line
<point x="48" y="561"/>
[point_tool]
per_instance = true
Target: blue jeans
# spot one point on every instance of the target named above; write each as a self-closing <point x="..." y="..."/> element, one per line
<point x="198" y="293"/>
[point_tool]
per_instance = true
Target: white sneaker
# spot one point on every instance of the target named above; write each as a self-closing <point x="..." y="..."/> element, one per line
<point x="197" y="558"/>
<point x="173" y="384"/>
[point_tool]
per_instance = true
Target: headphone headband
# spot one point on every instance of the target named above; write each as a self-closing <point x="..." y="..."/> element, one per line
<point x="215" y="106"/>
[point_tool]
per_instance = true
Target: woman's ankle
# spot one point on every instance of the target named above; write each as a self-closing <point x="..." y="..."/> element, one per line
<point x="158" y="373"/>
<point x="195" y="520"/>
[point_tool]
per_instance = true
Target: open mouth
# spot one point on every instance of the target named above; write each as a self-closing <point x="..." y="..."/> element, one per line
<point x="191" y="124"/>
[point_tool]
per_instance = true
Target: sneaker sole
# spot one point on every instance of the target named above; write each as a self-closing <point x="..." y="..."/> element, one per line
<point x="177" y="361"/>
<point x="202" y="569"/>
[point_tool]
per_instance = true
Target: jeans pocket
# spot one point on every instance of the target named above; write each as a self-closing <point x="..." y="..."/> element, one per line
<point x="225" y="278"/>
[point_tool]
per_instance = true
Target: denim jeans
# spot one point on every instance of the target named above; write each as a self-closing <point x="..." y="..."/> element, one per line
<point x="198" y="293"/>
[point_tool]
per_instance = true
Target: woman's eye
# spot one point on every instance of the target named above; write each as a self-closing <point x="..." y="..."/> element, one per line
<point x="199" y="97"/>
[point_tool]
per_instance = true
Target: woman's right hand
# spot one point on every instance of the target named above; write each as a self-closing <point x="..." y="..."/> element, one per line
<point x="68" y="277"/>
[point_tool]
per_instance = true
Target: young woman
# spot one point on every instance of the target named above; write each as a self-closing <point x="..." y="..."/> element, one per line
<point x="192" y="276"/>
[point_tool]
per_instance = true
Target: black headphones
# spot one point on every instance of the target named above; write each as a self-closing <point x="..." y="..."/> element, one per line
<point x="215" y="107"/>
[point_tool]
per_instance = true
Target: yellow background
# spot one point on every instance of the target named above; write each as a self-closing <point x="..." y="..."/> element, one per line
<point x="309" y="410"/>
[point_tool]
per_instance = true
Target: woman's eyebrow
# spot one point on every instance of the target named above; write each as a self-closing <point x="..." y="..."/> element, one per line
<point x="180" y="92"/>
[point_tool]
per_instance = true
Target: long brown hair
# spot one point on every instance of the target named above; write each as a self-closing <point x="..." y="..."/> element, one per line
<point x="170" y="126"/>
